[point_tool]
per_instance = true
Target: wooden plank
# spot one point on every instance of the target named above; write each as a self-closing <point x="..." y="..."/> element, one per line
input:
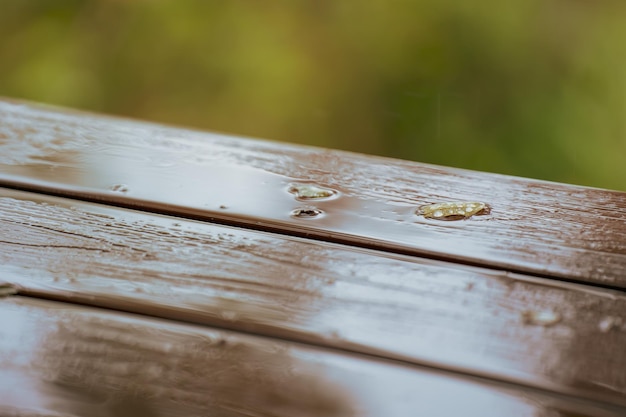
<point x="566" y="338"/>
<point x="58" y="359"/>
<point x="535" y="227"/>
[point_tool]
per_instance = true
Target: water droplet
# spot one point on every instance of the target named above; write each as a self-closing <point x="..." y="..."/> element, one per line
<point x="543" y="318"/>
<point x="609" y="323"/>
<point x="119" y="188"/>
<point x="306" y="212"/>
<point x="229" y="315"/>
<point x="456" y="210"/>
<point x="310" y="192"/>
<point x="334" y="334"/>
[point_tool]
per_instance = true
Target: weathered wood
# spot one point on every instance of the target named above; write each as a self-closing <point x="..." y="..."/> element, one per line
<point x="58" y="359"/>
<point x="455" y="317"/>
<point x="535" y="227"/>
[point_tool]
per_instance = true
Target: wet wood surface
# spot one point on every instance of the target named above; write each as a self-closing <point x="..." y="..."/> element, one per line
<point x="558" y="337"/>
<point x="544" y="229"/>
<point x="256" y="278"/>
<point x="66" y="360"/>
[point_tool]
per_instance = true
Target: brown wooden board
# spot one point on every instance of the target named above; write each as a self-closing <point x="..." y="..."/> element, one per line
<point x="65" y="360"/>
<point x="562" y="337"/>
<point x="535" y="227"/>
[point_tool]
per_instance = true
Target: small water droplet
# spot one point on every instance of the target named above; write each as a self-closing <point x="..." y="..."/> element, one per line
<point x="334" y="334"/>
<point x="306" y="212"/>
<point x="310" y="192"/>
<point x="229" y="315"/>
<point x="456" y="210"/>
<point x="609" y="323"/>
<point x="119" y="188"/>
<point x="543" y="318"/>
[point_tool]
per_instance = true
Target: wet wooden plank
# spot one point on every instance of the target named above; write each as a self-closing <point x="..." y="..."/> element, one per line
<point x="535" y="227"/>
<point x="561" y="337"/>
<point x="61" y="359"/>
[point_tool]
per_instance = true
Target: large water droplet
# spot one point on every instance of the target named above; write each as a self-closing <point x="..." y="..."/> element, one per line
<point x="306" y="212"/>
<point x="455" y="210"/>
<point x="310" y="192"/>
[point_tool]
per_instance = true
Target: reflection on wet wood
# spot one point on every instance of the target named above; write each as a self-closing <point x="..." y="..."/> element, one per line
<point x="58" y="359"/>
<point x="455" y="317"/>
<point x="534" y="227"/>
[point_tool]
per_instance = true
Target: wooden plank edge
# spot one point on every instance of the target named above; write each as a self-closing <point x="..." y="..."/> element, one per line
<point x="90" y="195"/>
<point x="538" y="397"/>
<point x="190" y="316"/>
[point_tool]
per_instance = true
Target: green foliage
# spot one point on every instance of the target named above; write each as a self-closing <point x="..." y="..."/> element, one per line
<point x="525" y="87"/>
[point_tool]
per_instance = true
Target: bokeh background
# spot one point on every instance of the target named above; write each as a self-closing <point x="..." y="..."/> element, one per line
<point x="534" y="88"/>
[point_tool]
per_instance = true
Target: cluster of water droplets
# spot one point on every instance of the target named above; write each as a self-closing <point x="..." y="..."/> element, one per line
<point x="119" y="188"/>
<point x="309" y="192"/>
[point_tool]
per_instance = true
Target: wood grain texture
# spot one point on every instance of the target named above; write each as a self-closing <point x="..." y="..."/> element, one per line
<point x="64" y="360"/>
<point x="535" y="227"/>
<point x="463" y="319"/>
<point x="541" y="228"/>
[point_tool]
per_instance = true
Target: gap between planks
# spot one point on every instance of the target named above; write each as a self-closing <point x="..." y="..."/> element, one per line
<point x="536" y="227"/>
<point x="263" y="225"/>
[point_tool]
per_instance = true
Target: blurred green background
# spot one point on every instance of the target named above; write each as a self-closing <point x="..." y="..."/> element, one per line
<point x="535" y="88"/>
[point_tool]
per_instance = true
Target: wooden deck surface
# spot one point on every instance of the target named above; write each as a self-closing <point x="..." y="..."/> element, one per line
<point x="139" y="236"/>
<point x="541" y="228"/>
<point x="63" y="359"/>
